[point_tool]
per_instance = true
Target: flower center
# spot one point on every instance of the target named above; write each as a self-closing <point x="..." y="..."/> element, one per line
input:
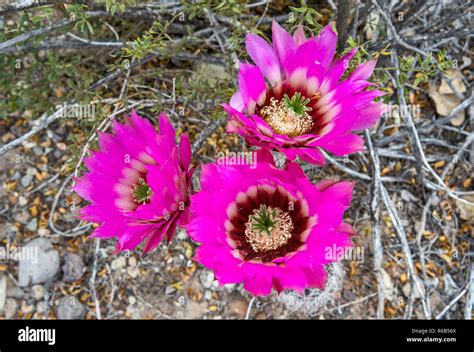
<point x="141" y="192"/>
<point x="288" y="116"/>
<point x="268" y="228"/>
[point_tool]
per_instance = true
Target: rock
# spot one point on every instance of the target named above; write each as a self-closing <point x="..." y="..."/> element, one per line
<point x="416" y="292"/>
<point x="31" y="171"/>
<point x="118" y="263"/>
<point x="61" y="146"/>
<point x="73" y="267"/>
<point x="210" y="73"/>
<point x="435" y="300"/>
<point x="466" y="211"/>
<point x="3" y="292"/>
<point x="181" y="234"/>
<point x="32" y="225"/>
<point x="207" y="279"/>
<point x="38" y="151"/>
<point x="40" y="307"/>
<point x="455" y="76"/>
<point x="26" y="308"/>
<point x="22" y="217"/>
<point x="169" y="290"/>
<point x="195" y="310"/>
<point x="13" y="291"/>
<point x="10" y="308"/>
<point x="16" y="176"/>
<point x="445" y="103"/>
<point x="37" y="291"/>
<point x="70" y="308"/>
<point x="26" y="180"/>
<point x="208" y="295"/>
<point x="238" y="307"/>
<point x="44" y="232"/>
<point x="7" y="161"/>
<point x="132" y="261"/>
<point x="133" y="272"/>
<point x="39" y="263"/>
<point x="131" y="312"/>
<point x="22" y="201"/>
<point x="132" y="300"/>
<point x="230" y="287"/>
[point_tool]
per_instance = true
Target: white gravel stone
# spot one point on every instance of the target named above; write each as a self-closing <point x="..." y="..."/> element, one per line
<point x="39" y="263"/>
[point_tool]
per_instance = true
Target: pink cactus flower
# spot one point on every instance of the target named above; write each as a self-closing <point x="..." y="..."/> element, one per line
<point x="138" y="183"/>
<point x="268" y="227"/>
<point x="295" y="101"/>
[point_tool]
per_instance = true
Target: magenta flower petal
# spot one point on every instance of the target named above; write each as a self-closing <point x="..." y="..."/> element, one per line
<point x="252" y="86"/>
<point x="336" y="71"/>
<point x="236" y="101"/>
<point x="308" y="103"/>
<point x="137" y="183"/>
<point x="363" y="71"/>
<point x="284" y="249"/>
<point x="266" y="59"/>
<point x="345" y="144"/>
<point x="299" y="37"/>
<point x="283" y="44"/>
<point x="326" y="46"/>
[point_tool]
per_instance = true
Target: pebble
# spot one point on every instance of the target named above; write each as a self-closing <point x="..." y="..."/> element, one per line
<point x="238" y="307"/>
<point x="133" y="272"/>
<point x="181" y="234"/>
<point x="73" y="267"/>
<point x="230" y="287"/>
<point x="208" y="295"/>
<point x="22" y="201"/>
<point x="169" y="290"/>
<point x="40" y="307"/>
<point x="38" y="151"/>
<point x="3" y="292"/>
<point x="32" y="225"/>
<point x="416" y="292"/>
<point x="37" y="291"/>
<point x="16" y="176"/>
<point x="118" y="263"/>
<point x="22" y="217"/>
<point x="207" y="279"/>
<point x="10" y="308"/>
<point x="26" y="180"/>
<point x="31" y="171"/>
<point x="26" y="308"/>
<point x="195" y="310"/>
<point x="132" y="300"/>
<point x="44" y="232"/>
<point x="39" y="262"/>
<point x="132" y="261"/>
<point x="13" y="291"/>
<point x="70" y="308"/>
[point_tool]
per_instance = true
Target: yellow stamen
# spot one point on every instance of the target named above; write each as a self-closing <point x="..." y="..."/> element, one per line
<point x="284" y="121"/>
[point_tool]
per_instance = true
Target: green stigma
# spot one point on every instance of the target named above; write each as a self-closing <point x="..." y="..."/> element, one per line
<point x="297" y="104"/>
<point x="141" y="192"/>
<point x="264" y="219"/>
